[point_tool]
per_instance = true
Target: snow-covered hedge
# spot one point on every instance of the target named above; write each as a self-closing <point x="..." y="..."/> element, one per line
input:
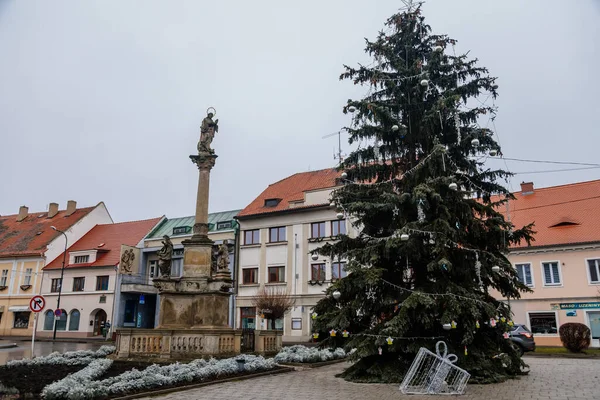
<point x="75" y="386"/>
<point x="303" y="354"/>
<point x="152" y="377"/>
<point x="80" y="357"/>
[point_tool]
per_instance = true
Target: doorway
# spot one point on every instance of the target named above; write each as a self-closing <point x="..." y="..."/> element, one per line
<point x="99" y="320"/>
<point x="594" y="324"/>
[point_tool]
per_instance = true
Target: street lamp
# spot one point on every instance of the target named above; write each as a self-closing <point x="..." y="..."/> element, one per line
<point x="62" y="272"/>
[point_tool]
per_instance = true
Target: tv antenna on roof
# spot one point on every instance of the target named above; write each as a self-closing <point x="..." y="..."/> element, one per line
<point x="339" y="156"/>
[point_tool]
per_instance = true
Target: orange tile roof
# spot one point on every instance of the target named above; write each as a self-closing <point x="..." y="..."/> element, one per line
<point x="30" y="237"/>
<point x="576" y="207"/>
<point x="292" y="189"/>
<point x="107" y="239"/>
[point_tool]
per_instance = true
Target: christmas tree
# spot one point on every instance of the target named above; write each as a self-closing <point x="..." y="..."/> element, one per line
<point x="432" y="240"/>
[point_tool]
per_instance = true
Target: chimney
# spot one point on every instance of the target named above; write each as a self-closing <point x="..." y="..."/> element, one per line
<point x="71" y="207"/>
<point x="52" y="210"/>
<point x="526" y="188"/>
<point x="23" y="211"/>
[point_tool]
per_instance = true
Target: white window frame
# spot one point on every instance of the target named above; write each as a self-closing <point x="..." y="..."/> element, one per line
<point x="530" y="270"/>
<point x="4" y="277"/>
<point x="27" y="276"/>
<point x="587" y="270"/>
<point x="544" y="312"/>
<point x="560" y="276"/>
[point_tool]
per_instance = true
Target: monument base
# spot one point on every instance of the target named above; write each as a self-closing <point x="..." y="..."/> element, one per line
<point x="194" y="310"/>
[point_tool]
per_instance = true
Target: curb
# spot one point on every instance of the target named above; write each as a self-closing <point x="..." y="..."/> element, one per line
<point x="301" y="366"/>
<point x="563" y="355"/>
<point x="8" y="345"/>
<point x="199" y="385"/>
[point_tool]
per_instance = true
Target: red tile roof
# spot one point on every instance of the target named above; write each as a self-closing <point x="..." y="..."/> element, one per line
<point x="107" y="239"/>
<point x="30" y="237"/>
<point x="575" y="208"/>
<point x="292" y="189"/>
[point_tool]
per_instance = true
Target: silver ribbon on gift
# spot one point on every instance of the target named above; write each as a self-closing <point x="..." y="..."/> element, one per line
<point x="443" y="365"/>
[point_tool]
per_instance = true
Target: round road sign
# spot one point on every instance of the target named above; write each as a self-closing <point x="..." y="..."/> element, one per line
<point x="37" y="303"/>
<point x="57" y="312"/>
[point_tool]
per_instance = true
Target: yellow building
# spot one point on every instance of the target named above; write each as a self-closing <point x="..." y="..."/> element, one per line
<point x="27" y="242"/>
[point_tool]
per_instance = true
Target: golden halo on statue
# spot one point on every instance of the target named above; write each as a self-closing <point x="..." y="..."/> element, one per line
<point x="211" y="108"/>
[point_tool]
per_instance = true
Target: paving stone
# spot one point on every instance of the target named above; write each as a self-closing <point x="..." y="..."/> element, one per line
<point x="549" y="379"/>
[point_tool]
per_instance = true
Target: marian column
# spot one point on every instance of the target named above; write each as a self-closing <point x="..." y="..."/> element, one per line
<point x="200" y="298"/>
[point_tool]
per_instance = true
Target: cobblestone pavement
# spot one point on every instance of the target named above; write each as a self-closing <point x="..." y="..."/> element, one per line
<point x="549" y="379"/>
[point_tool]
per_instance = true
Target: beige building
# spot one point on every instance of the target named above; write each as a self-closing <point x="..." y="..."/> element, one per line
<point x="562" y="265"/>
<point x="279" y="228"/>
<point x="27" y="244"/>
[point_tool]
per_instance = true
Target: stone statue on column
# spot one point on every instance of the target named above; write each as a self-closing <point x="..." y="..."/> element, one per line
<point x="208" y="128"/>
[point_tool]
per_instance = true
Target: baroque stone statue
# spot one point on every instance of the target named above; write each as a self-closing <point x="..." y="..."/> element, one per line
<point x="165" y="255"/>
<point x="207" y="132"/>
<point x="223" y="257"/>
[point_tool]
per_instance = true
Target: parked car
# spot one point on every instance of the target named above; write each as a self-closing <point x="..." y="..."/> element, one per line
<point x="522" y="338"/>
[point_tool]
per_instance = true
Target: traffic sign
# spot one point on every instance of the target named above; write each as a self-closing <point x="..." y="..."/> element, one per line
<point x="37" y="303"/>
<point x="57" y="312"/>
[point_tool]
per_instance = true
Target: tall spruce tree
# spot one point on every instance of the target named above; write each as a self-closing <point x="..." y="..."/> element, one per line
<point x="427" y="212"/>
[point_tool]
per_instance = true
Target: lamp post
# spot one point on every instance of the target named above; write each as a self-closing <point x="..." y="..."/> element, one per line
<point x="62" y="273"/>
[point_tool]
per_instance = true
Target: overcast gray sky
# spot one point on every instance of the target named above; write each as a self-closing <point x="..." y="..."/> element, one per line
<point x="102" y="100"/>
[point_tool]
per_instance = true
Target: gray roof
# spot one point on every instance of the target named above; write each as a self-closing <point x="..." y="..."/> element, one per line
<point x="166" y="227"/>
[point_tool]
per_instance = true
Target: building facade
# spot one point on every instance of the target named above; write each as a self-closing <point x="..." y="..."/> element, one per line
<point x="137" y="298"/>
<point x="279" y="229"/>
<point x="27" y="244"/>
<point x="91" y="271"/>
<point x="562" y="265"/>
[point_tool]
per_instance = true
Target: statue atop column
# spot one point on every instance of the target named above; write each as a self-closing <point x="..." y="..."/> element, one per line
<point x="207" y="132"/>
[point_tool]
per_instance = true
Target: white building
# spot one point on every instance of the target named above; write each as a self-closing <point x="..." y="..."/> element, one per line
<point x="279" y="229"/>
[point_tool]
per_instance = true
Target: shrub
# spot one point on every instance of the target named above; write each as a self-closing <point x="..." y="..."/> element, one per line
<point x="575" y="336"/>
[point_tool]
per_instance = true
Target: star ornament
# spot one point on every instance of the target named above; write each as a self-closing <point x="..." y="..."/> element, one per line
<point x="371" y="294"/>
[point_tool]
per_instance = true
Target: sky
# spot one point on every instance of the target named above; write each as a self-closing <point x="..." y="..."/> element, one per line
<point x="101" y="100"/>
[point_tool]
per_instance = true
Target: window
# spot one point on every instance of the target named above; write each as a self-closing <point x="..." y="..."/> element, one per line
<point x="594" y="269"/>
<point x="297" y="324"/>
<point x="338" y="270"/>
<point x="276" y="274"/>
<point x="48" y="320"/>
<point x="524" y="273"/>
<point x="102" y="282"/>
<point x="21" y="320"/>
<point x="61" y="322"/>
<point x="176" y="267"/>
<point x="249" y="276"/>
<point x="81" y="259"/>
<point x="102" y="299"/>
<point x="74" y="320"/>
<point x="277" y="234"/>
<point x="78" y="284"/>
<point x="248" y="317"/>
<point x="4" y="277"/>
<point x="152" y="268"/>
<point x="55" y="285"/>
<point x="27" y="279"/>
<point x="272" y="202"/>
<point x="543" y="322"/>
<point x="317" y="230"/>
<point x="276" y="324"/>
<point x="181" y="230"/>
<point x="338" y="228"/>
<point x="551" y="274"/>
<point x="317" y="272"/>
<point x="224" y="225"/>
<point x="252" y="237"/>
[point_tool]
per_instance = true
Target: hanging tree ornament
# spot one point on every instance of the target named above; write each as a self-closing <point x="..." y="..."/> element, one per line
<point x="340" y="215"/>
<point x="404" y="237"/>
<point x="315" y="335"/>
<point x="344" y="175"/>
<point x="438" y="48"/>
<point x="380" y="350"/>
<point x="505" y="335"/>
<point x="424" y="82"/>
<point x="496" y="269"/>
<point x="453" y="324"/>
<point x="477" y="324"/>
<point x="395" y="128"/>
<point x="493" y="153"/>
<point x="314" y="315"/>
<point x="345" y="333"/>
<point x="453" y="186"/>
<point x="389" y="340"/>
<point x="371" y="293"/>
<point x="493" y="323"/>
<point x="351" y="109"/>
<point x="332" y="333"/>
<point x="420" y="212"/>
<point x="478" y="268"/>
<point x="457" y="123"/>
<point x="475" y="142"/>
<point x="447" y="327"/>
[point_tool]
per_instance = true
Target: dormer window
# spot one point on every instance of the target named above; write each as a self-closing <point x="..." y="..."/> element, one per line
<point x="182" y="230"/>
<point x="272" y="202"/>
<point x="224" y="225"/>
<point x="82" y="259"/>
<point x="564" y="223"/>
